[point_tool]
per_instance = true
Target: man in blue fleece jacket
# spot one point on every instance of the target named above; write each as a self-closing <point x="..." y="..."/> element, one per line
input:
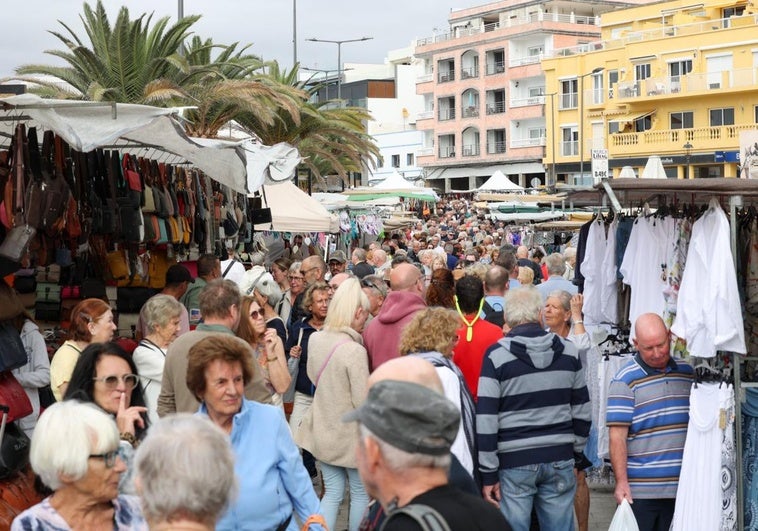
<point x="533" y="417"/>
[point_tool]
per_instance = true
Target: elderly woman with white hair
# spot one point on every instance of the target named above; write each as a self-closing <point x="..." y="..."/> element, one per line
<point x="162" y="315"/>
<point x="83" y="472"/>
<point x="260" y="284"/>
<point x="338" y="368"/>
<point x="177" y="496"/>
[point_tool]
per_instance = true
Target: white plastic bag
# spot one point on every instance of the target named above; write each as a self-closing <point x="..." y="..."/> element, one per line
<point x="623" y="518"/>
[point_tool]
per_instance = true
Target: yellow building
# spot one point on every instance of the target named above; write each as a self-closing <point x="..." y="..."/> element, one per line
<point x="673" y="79"/>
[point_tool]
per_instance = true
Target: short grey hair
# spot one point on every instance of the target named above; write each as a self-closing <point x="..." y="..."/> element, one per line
<point x="295" y="267"/>
<point x="556" y="265"/>
<point x="564" y="297"/>
<point x="185" y="468"/>
<point x="523" y="305"/>
<point x="160" y="310"/>
<point x="360" y="254"/>
<point x="87" y="430"/>
<point x="399" y="460"/>
<point x="257" y="258"/>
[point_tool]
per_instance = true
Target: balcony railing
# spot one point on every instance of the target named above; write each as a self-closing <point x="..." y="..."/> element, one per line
<point x="425" y="115"/>
<point x="425" y="152"/>
<point x="447" y="152"/>
<point x="533" y="18"/>
<point x="528" y="142"/>
<point x="444" y="77"/>
<point x="496" y="107"/>
<point x="495" y="67"/>
<point x="658" y="86"/>
<point x="494" y="148"/>
<point x="446" y="114"/>
<point x="528" y="60"/>
<point x="471" y="150"/>
<point x="524" y="102"/>
<point x="709" y="138"/>
<point x="469" y="72"/>
<point x="470" y="111"/>
<point x="665" y="32"/>
<point x="425" y="78"/>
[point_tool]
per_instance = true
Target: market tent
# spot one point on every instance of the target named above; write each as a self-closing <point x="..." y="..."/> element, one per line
<point x="395" y="181"/>
<point x="654" y="168"/>
<point x="151" y="131"/>
<point x="292" y="210"/>
<point x="498" y="182"/>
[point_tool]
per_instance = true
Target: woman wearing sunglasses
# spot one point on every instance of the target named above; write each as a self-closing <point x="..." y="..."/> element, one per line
<point x="75" y="452"/>
<point x="106" y="376"/>
<point x="267" y="346"/>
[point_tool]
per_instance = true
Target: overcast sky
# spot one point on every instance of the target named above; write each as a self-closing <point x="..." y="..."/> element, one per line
<point x="266" y="24"/>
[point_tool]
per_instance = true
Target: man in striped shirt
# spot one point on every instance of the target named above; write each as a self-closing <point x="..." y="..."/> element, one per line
<point x="648" y="413"/>
<point x="532" y="418"/>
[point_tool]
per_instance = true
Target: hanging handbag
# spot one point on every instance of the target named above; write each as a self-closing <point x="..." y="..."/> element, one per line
<point x="12" y="351"/>
<point x="14" y="446"/>
<point x="16" y="242"/>
<point x="51" y="273"/>
<point x="14" y="396"/>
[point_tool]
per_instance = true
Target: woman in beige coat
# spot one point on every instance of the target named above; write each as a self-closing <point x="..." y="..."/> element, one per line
<point x="338" y="367"/>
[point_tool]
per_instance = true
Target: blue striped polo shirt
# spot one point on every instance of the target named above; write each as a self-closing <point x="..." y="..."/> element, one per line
<point x="655" y="406"/>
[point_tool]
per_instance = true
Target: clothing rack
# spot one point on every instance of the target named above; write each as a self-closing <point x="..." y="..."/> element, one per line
<point x="693" y="191"/>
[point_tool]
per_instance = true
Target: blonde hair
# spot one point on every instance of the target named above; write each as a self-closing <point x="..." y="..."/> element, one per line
<point x="525" y="275"/>
<point x="430" y="330"/>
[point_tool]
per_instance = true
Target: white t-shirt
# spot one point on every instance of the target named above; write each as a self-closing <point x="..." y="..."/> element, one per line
<point x="236" y="273"/>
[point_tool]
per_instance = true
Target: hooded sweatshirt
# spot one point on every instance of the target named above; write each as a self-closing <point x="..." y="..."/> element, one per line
<point x="381" y="336"/>
<point x="533" y="402"/>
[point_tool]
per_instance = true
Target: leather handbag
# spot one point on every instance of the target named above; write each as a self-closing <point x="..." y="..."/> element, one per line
<point x="70" y="292"/>
<point x="14" y="396"/>
<point x="51" y="273"/>
<point x="93" y="288"/>
<point x="16" y="242"/>
<point x="47" y="311"/>
<point x="24" y="281"/>
<point x="48" y="292"/>
<point x="14" y="446"/>
<point x="131" y="300"/>
<point x="12" y="351"/>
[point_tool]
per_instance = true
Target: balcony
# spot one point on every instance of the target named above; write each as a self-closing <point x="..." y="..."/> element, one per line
<point x="444" y="77"/>
<point x="471" y="150"/>
<point x="721" y="137"/>
<point x="425" y="78"/>
<point x="528" y="60"/>
<point x="745" y="78"/>
<point x="525" y="102"/>
<point x="446" y="114"/>
<point x="497" y="107"/>
<point x="470" y="111"/>
<point x="528" y="142"/>
<point x="469" y="72"/>
<point x="447" y="152"/>
<point x="498" y="67"/>
<point x="425" y="152"/>
<point x="494" y="148"/>
<point x="425" y="115"/>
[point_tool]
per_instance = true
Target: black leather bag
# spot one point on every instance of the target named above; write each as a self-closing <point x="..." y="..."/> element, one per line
<point x="131" y="300"/>
<point x="14" y="447"/>
<point x="47" y="311"/>
<point x="12" y="351"/>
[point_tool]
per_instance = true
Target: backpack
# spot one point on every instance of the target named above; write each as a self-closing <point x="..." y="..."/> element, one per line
<point x="491" y="315"/>
<point x="426" y="517"/>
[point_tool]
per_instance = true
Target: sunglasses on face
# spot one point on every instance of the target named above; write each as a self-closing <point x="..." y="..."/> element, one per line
<point x="256" y="314"/>
<point x="109" y="458"/>
<point x="111" y="382"/>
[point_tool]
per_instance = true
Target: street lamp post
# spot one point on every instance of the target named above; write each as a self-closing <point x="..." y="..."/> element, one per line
<point x="294" y="33"/>
<point x="339" y="57"/>
<point x="581" y="118"/>
<point x="552" y="178"/>
<point x="687" y="155"/>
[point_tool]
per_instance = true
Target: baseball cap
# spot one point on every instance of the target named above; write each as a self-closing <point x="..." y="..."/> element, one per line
<point x="338" y="256"/>
<point x="409" y="416"/>
<point x="178" y="273"/>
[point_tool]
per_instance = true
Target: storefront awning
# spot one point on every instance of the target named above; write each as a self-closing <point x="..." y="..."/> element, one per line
<point x="630" y="117"/>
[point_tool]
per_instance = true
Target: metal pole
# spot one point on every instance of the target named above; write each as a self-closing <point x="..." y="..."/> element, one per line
<point x="294" y="33"/>
<point x="180" y="13"/>
<point x="581" y="128"/>
<point x="339" y="72"/>
<point x="553" y="175"/>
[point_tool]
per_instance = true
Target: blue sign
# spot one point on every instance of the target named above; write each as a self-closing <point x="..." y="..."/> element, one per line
<point x="726" y="156"/>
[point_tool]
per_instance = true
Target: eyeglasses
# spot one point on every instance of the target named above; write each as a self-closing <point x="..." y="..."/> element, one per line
<point x="368" y="284"/>
<point x="109" y="458"/>
<point x="256" y="314"/>
<point x="111" y="382"/>
<point x="296" y="279"/>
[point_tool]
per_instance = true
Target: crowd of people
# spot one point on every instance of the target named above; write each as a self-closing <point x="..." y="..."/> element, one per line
<point x="460" y="354"/>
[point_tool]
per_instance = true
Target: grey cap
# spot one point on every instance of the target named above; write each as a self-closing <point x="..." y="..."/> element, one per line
<point x="409" y="416"/>
<point x="338" y="256"/>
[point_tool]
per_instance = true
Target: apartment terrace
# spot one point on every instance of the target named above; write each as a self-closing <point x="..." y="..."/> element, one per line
<point x="723" y="137"/>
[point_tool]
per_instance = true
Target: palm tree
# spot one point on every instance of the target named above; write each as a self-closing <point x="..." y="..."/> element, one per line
<point x="331" y="139"/>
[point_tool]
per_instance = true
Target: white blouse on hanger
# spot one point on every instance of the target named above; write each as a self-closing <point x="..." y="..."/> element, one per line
<point x="708" y="311"/>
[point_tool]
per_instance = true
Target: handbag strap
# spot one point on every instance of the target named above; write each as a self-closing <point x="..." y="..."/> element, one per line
<point x="223" y="275"/>
<point x="326" y="361"/>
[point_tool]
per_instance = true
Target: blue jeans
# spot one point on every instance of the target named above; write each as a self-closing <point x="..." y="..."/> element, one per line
<point x="548" y="486"/>
<point x="334" y="491"/>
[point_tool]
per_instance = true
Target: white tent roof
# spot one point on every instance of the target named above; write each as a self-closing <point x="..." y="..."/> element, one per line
<point x="498" y="182"/>
<point x="292" y="210"/>
<point x="654" y="168"/>
<point x="150" y="131"/>
<point x="395" y="181"/>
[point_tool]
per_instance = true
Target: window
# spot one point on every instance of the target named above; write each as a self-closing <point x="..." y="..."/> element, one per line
<point x="535" y="92"/>
<point x="537" y="133"/>
<point x="597" y="88"/>
<point x="682" y="120"/>
<point x="643" y="124"/>
<point x="569" y="141"/>
<point x="613" y="79"/>
<point x="495" y="62"/>
<point x="722" y="117"/>
<point x="496" y="141"/>
<point x="534" y="51"/>
<point x="641" y="71"/>
<point x="569" y="99"/>
<point x="395" y="161"/>
<point x="679" y="68"/>
<point x="409" y="159"/>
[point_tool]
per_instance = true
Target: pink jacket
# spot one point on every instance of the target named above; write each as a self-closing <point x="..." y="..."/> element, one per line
<point x="381" y="336"/>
